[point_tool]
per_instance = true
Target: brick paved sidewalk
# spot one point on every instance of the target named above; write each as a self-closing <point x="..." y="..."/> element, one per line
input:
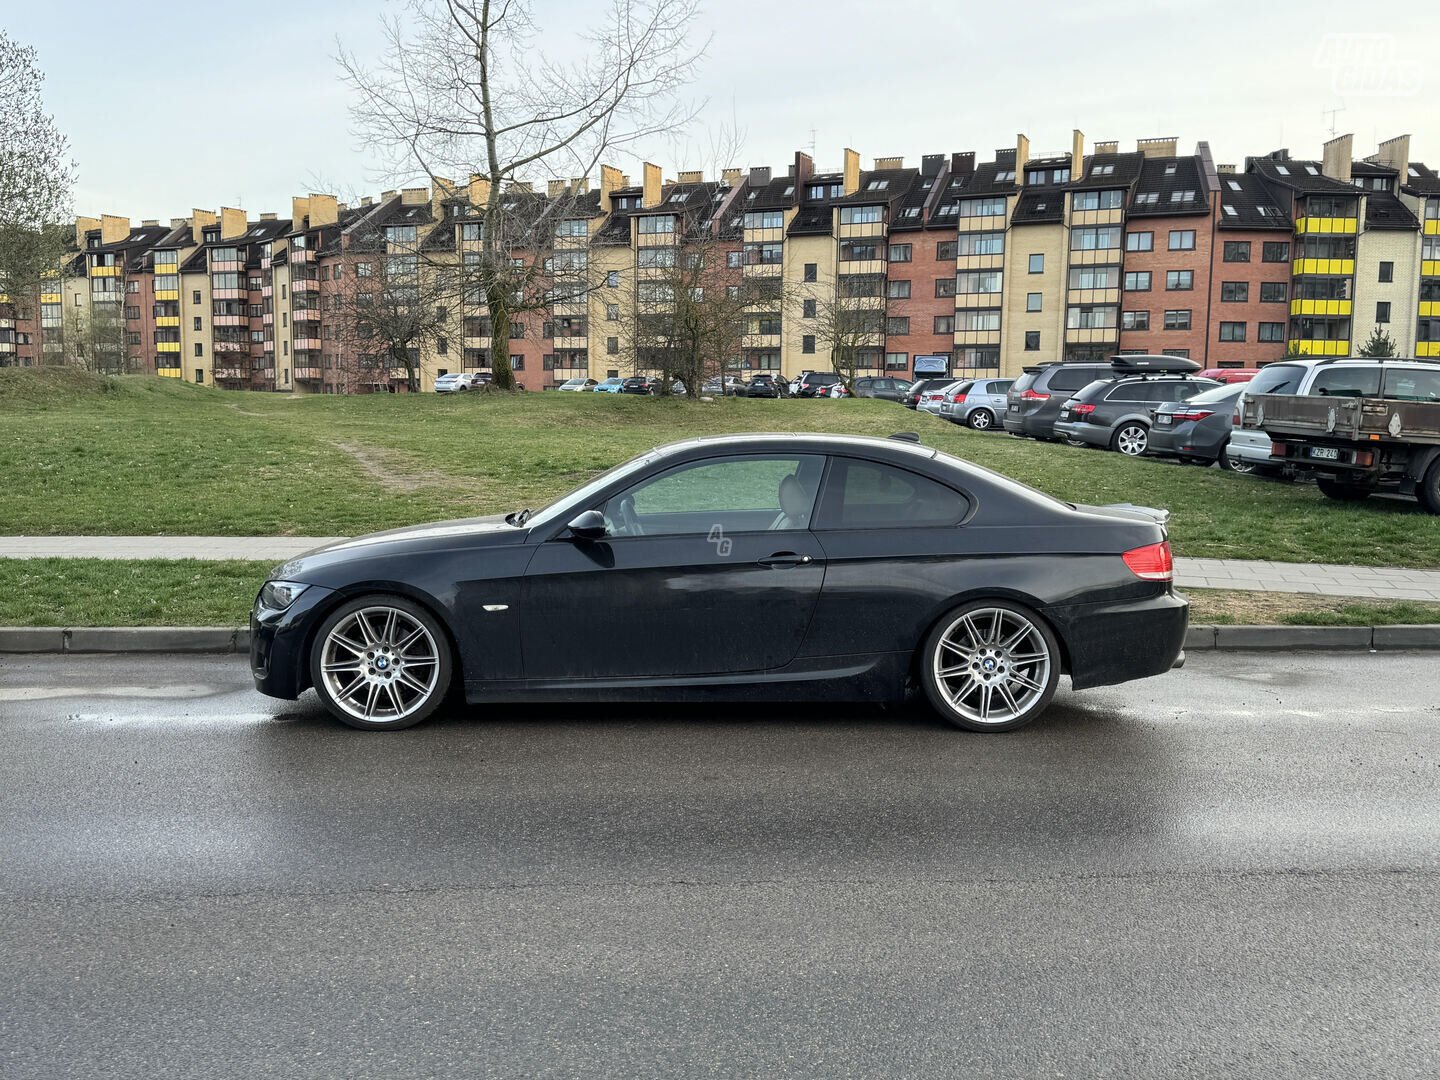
<point x="1254" y="576"/>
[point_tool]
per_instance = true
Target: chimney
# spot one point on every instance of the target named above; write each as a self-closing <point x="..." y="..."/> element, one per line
<point x="611" y="181"/>
<point x="852" y="171"/>
<point x="650" y="191"/>
<point x="1338" y="160"/>
<point x="691" y="176"/>
<point x="386" y="196"/>
<point x="150" y="223"/>
<point x="554" y="188"/>
<point x="731" y="177"/>
<point x="1163" y="147"/>
<point x="1111" y="147"/>
<point x="413" y="196"/>
<point x="889" y="163"/>
<point x="299" y="211"/>
<point x="1022" y="155"/>
<point x="1077" y="153"/>
<point x="759" y="176"/>
<point x="176" y="222"/>
<point x="932" y="165"/>
<point x="580" y="185"/>
<point x="199" y="219"/>
<point x="366" y="200"/>
<point x="478" y="190"/>
<point x="1395" y="154"/>
<point x="232" y="223"/>
<point x="440" y="190"/>
<point x="801" y="169"/>
<point x="1226" y="170"/>
<point x="84" y="225"/>
<point x="963" y="163"/>
<point x="268" y="217"/>
<point x="113" y="229"/>
<point x="325" y="209"/>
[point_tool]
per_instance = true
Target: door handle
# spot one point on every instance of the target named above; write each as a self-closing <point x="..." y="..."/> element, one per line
<point x="786" y="558"/>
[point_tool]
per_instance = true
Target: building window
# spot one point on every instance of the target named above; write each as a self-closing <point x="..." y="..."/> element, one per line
<point x="612" y="345"/>
<point x="1235" y="292"/>
<point x="1387" y="271"/>
<point x="1232" y="331"/>
<point x="900" y="252"/>
<point x="1177" y="320"/>
<point x="1140" y="241"/>
<point x="199" y="349"/>
<point x="1032" y="340"/>
<point x="973" y="282"/>
<point x="612" y="312"/>
<point x="811" y="271"/>
<point x="1237" y="250"/>
<point x="897" y="361"/>
<point x="1275" y="251"/>
<point x="807" y="309"/>
<point x="1182" y="239"/>
<point x="1382" y="311"/>
<point x="981" y="243"/>
<point x="765" y="219"/>
<point x="1034" y="301"/>
<point x="807" y="343"/>
<point x="1271" y="331"/>
<point x="196" y="322"/>
<point x="199" y="375"/>
<point x="1184" y="354"/>
<point x="1137" y="281"/>
<point x="944" y="286"/>
<point x="861" y="215"/>
<point x="442" y="345"/>
<point x="897" y="324"/>
<point x="983" y="207"/>
<point x="517" y="362"/>
<point x="1098" y="238"/>
<point x="1098" y="200"/>
<point x="898" y="290"/>
<point x="1272" y="292"/>
<point x="657" y="224"/>
<point x="946" y="250"/>
<point x="1037" y="264"/>
<point x="944" y="324"/>
<point x="612" y="279"/>
<point x="1179" y="280"/>
<point x="1135" y="320"/>
<point x="1090" y="317"/>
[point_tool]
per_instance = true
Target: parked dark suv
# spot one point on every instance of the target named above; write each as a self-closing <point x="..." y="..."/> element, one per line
<point x="1117" y="413"/>
<point x="878" y="387"/>
<point x="813" y="382"/>
<point x="638" y="384"/>
<point x="1034" y="399"/>
<point x="771" y="386"/>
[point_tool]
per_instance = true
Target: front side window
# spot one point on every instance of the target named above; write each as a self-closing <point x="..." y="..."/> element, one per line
<point x="872" y="495"/>
<point x="704" y="498"/>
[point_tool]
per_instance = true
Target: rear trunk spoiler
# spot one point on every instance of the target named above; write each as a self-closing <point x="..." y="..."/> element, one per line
<point x="1138" y="513"/>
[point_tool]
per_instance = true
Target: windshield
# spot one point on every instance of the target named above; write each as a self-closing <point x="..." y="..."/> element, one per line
<point x="574" y="501"/>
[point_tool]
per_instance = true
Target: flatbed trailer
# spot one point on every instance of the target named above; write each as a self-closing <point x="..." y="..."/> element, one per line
<point x="1354" y="446"/>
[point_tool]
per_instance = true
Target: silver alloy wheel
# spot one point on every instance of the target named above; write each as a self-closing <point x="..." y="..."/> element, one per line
<point x="981" y="419"/>
<point x="1239" y="465"/>
<point x="380" y="664"/>
<point x="1131" y="440"/>
<point x="992" y="665"/>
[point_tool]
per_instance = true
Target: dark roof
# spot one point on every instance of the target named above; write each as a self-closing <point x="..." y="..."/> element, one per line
<point x="1422" y="180"/>
<point x="990" y="178"/>
<point x="910" y="214"/>
<point x="1370" y="168"/>
<point x="1385" y="211"/>
<point x="777" y="194"/>
<point x="1246" y="203"/>
<point x="895" y="185"/>
<point x="1170" y="186"/>
<point x="1039" y="206"/>
<point x="1303" y="177"/>
<point x="815" y="215"/>
<point x="1106" y="171"/>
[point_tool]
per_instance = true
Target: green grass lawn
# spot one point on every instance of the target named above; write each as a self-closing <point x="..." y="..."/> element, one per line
<point x="85" y="455"/>
<point x="112" y="592"/>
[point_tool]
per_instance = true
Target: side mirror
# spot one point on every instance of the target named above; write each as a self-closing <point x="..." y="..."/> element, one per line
<point x="588" y="526"/>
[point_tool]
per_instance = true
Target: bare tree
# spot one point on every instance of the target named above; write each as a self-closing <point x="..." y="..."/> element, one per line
<point x="95" y="339"/>
<point x="35" y="175"/>
<point x="848" y="319"/>
<point x="465" y="89"/>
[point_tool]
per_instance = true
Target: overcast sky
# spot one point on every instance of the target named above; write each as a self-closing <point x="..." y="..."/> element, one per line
<point x="163" y="102"/>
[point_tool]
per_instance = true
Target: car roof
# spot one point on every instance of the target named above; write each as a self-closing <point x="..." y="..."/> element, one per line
<point x="798" y="440"/>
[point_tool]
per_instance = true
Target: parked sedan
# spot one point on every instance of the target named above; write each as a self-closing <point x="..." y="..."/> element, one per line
<point x="611" y="385"/>
<point x="978" y="403"/>
<point x="932" y="398"/>
<point x="886" y="389"/>
<point x="1197" y="430"/>
<point x="578" y="384"/>
<point x="911" y="400"/>
<point x="457" y="382"/>
<point x="736" y="568"/>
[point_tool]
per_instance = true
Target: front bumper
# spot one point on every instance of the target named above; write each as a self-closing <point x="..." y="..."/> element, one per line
<point x="279" y="662"/>
<point x="1116" y="642"/>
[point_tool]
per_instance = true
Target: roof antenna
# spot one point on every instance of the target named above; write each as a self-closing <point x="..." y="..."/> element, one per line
<point x="1332" y="113"/>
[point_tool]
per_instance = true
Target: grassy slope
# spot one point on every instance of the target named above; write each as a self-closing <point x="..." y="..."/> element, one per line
<point x="150" y="456"/>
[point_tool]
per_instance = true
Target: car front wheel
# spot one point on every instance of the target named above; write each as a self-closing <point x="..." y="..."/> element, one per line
<point x="982" y="419"/>
<point x="380" y="663"/>
<point x="990" y="665"/>
<point x="1131" y="440"/>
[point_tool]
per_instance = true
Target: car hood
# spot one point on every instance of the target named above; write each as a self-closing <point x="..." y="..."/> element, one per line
<point x="476" y="531"/>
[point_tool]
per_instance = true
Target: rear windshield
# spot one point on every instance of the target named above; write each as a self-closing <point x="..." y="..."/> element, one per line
<point x="1073" y="378"/>
<point x="1276" y="379"/>
<point x="1413" y="385"/>
<point x="1024" y="382"/>
<point x="1219" y="395"/>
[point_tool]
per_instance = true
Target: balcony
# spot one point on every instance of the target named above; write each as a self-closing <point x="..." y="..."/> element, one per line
<point x="229" y="294"/>
<point x="1326" y="226"/>
<point x="1340" y="308"/>
<point x="235" y="347"/>
<point x="307" y="374"/>
<point x="301" y="255"/>
<point x="1316" y="347"/>
<point x="226" y="266"/>
<point x="1432" y="226"/>
<point x="229" y="320"/>
<point x="304" y="285"/>
<point x="1333" y="267"/>
<point x="230" y="374"/>
<point x="306" y="344"/>
<point x="1427" y="348"/>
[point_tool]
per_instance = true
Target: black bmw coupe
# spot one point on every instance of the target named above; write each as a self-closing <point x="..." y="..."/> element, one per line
<point x="736" y="568"/>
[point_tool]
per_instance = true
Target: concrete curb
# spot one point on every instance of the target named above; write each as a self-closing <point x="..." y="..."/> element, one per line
<point x="219" y="639"/>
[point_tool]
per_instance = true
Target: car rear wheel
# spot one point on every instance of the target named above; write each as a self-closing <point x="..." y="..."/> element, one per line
<point x="990" y="665"/>
<point x="1341" y="491"/>
<point x="981" y="419"/>
<point x="1234" y="464"/>
<point x="1131" y="440"/>
<point x="1428" y="490"/>
<point x="380" y="663"/>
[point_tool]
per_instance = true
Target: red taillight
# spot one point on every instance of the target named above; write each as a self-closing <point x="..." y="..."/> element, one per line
<point x="958" y="398"/>
<point x="1151" y="562"/>
<point x="1081" y="410"/>
<point x="1031" y="395"/>
<point x="1236" y="420"/>
<point x="1192" y="414"/>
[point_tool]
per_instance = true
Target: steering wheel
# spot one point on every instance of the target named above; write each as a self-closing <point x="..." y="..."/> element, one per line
<point x="628" y="518"/>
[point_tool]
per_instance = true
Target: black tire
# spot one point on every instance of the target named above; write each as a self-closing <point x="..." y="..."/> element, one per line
<point x="981" y="419"/>
<point x="1428" y="490"/>
<point x="428" y="657"/>
<point x="963" y="648"/>
<point x="1341" y="491"/>
<point x="1131" y="439"/>
<point x="1230" y="464"/>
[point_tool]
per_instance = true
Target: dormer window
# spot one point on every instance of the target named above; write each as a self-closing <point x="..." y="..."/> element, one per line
<point x="1282" y="170"/>
<point x="1005" y="176"/>
<point x="877" y="185"/>
<point x="1230" y="211"/>
<point x="1312" y="170"/>
<point x="1234" y="184"/>
<point x="1103" y="170"/>
<point x="1171" y="167"/>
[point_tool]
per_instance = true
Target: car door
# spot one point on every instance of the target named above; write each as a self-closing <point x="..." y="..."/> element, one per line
<point x="706" y="568"/>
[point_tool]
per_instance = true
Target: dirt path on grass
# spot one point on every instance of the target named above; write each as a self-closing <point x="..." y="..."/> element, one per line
<point x="393" y="473"/>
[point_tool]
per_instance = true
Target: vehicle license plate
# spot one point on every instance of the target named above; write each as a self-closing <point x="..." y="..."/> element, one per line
<point x="1328" y="453"/>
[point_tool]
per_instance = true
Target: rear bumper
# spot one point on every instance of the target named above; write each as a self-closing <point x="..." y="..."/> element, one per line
<point x="1186" y="439"/>
<point x="1035" y="424"/>
<point x="1086" y="433"/>
<point x="1113" y="643"/>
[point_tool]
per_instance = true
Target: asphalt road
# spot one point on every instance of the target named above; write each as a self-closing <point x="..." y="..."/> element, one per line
<point x="1229" y="871"/>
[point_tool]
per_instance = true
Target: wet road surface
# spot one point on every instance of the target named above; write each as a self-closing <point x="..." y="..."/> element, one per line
<point x="1227" y="871"/>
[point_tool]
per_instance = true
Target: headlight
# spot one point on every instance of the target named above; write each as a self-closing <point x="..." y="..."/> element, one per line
<point x="279" y="595"/>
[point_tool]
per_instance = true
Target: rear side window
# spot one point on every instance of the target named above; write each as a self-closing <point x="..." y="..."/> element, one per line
<point x="1346" y="382"/>
<point x="1135" y="391"/>
<point x="1413" y="385"/>
<point x="1073" y="378"/>
<point x="1276" y="379"/>
<point x="1024" y="382"/>
<point x="871" y="495"/>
